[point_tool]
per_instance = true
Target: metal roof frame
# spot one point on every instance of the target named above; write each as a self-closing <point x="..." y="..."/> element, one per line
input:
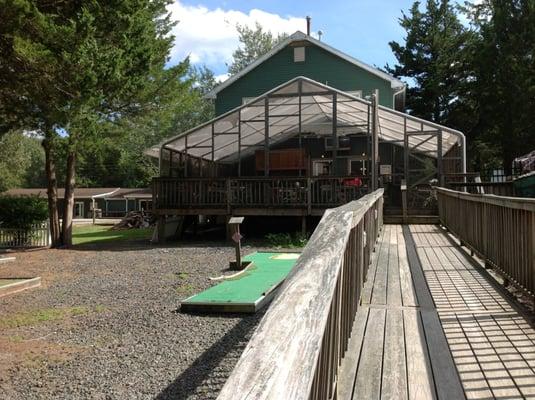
<point x="303" y="105"/>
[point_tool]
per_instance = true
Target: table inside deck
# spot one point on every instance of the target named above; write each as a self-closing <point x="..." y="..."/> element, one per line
<point x="432" y="325"/>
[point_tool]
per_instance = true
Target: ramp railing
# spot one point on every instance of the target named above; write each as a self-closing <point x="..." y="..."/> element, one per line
<point x="298" y="347"/>
<point x="500" y="229"/>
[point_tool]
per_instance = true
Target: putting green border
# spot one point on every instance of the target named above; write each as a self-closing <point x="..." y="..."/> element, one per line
<point x="20" y="285"/>
<point x="222" y="306"/>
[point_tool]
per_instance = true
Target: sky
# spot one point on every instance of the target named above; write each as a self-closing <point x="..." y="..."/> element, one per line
<point x="205" y="29"/>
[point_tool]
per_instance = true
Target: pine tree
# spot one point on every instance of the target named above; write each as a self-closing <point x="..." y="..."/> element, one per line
<point x="431" y="60"/>
<point x="254" y="43"/>
<point x="68" y="67"/>
<point x="503" y="88"/>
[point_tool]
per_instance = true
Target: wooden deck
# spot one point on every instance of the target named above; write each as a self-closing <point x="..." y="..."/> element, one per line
<point x="434" y="326"/>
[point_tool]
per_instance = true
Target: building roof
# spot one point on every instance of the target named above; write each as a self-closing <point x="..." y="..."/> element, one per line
<point x="132" y="193"/>
<point x="306" y="106"/>
<point x="83" y="193"/>
<point x="298" y="37"/>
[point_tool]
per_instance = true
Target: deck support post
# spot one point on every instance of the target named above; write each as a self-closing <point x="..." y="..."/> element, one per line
<point x="404" y="200"/>
<point x="309" y="196"/>
<point x="161" y="228"/>
<point x="375" y="143"/>
<point x="335" y="135"/>
<point x="239" y="143"/>
<point x="405" y="161"/>
<point x="266" y="136"/>
<point x="229" y="195"/>
<point x="300" y="91"/>
<point x="304" y="224"/>
<point x="440" y="166"/>
<point x="186" y="156"/>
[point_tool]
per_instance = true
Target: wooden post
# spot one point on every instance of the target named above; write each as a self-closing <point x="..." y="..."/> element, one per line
<point x="309" y="196"/>
<point x="266" y="136"/>
<point x="161" y="229"/>
<point x="239" y="143"/>
<point x="335" y="135"/>
<point x="234" y="224"/>
<point x="186" y="156"/>
<point x="93" y="206"/>
<point x="404" y="200"/>
<point x="299" y="91"/>
<point x="229" y="195"/>
<point x="440" y="163"/>
<point x="375" y="142"/>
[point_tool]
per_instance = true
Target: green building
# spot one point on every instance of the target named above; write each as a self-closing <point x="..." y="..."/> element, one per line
<point x="302" y="55"/>
<point x="302" y="129"/>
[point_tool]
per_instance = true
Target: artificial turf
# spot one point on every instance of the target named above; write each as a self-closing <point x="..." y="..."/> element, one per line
<point x="267" y="271"/>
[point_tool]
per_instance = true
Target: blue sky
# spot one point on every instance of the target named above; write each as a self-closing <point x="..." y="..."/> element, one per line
<point x="361" y="28"/>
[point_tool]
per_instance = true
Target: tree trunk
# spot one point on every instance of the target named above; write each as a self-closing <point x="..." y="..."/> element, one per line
<point x="68" y="209"/>
<point x="52" y="193"/>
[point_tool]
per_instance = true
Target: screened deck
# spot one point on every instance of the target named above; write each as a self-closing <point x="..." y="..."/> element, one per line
<point x="245" y="144"/>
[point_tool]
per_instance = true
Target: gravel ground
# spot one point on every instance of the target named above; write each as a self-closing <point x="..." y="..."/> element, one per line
<point x="120" y="335"/>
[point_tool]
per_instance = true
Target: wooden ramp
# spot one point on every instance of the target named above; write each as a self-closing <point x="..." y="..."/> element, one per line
<point x="432" y="326"/>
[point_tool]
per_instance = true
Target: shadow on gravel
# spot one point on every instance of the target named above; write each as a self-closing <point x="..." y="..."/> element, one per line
<point x="231" y="344"/>
<point x="133" y="245"/>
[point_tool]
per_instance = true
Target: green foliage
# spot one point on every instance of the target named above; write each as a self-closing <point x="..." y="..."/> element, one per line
<point x="254" y="43"/>
<point x="503" y="65"/>
<point x="477" y="77"/>
<point x="431" y="59"/>
<point x="117" y="159"/>
<point x="22" y="212"/>
<point x="21" y="161"/>
<point x="287" y="240"/>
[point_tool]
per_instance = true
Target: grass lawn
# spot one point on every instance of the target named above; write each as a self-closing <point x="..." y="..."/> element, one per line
<point x="83" y="234"/>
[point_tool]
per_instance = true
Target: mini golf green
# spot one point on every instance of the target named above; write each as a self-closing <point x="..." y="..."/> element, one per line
<point x="248" y="291"/>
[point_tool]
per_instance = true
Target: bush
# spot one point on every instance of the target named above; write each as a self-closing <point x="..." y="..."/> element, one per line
<point x="22" y="212"/>
<point x="287" y="239"/>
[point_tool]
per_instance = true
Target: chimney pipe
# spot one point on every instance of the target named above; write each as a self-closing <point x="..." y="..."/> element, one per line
<point x="308" y="25"/>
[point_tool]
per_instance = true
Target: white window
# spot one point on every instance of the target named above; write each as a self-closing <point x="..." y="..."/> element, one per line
<point x="246" y="100"/>
<point x="356" y="93"/>
<point x="299" y="54"/>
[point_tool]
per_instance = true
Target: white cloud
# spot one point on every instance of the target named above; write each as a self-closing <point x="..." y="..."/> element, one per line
<point x="222" y="77"/>
<point x="209" y="36"/>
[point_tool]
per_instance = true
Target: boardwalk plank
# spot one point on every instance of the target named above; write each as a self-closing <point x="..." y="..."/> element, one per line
<point x="446" y="378"/>
<point x="394" y="384"/>
<point x="394" y="284"/>
<point x="368" y="382"/>
<point x="348" y="370"/>
<point x="367" y="290"/>
<point x="405" y="277"/>
<point x="419" y="374"/>
<point x="381" y="274"/>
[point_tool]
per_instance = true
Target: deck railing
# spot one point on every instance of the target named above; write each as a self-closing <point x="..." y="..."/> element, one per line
<point x="297" y="349"/>
<point x="38" y="235"/>
<point x="272" y="192"/>
<point x="500" y="229"/>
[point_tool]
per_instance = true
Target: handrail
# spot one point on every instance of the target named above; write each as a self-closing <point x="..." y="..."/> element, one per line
<point x="519" y="203"/>
<point x="298" y="346"/>
<point x="500" y="229"/>
<point x="272" y="192"/>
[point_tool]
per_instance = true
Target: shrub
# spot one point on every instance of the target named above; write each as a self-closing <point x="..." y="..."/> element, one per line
<point x="22" y="212"/>
<point x="286" y="239"/>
